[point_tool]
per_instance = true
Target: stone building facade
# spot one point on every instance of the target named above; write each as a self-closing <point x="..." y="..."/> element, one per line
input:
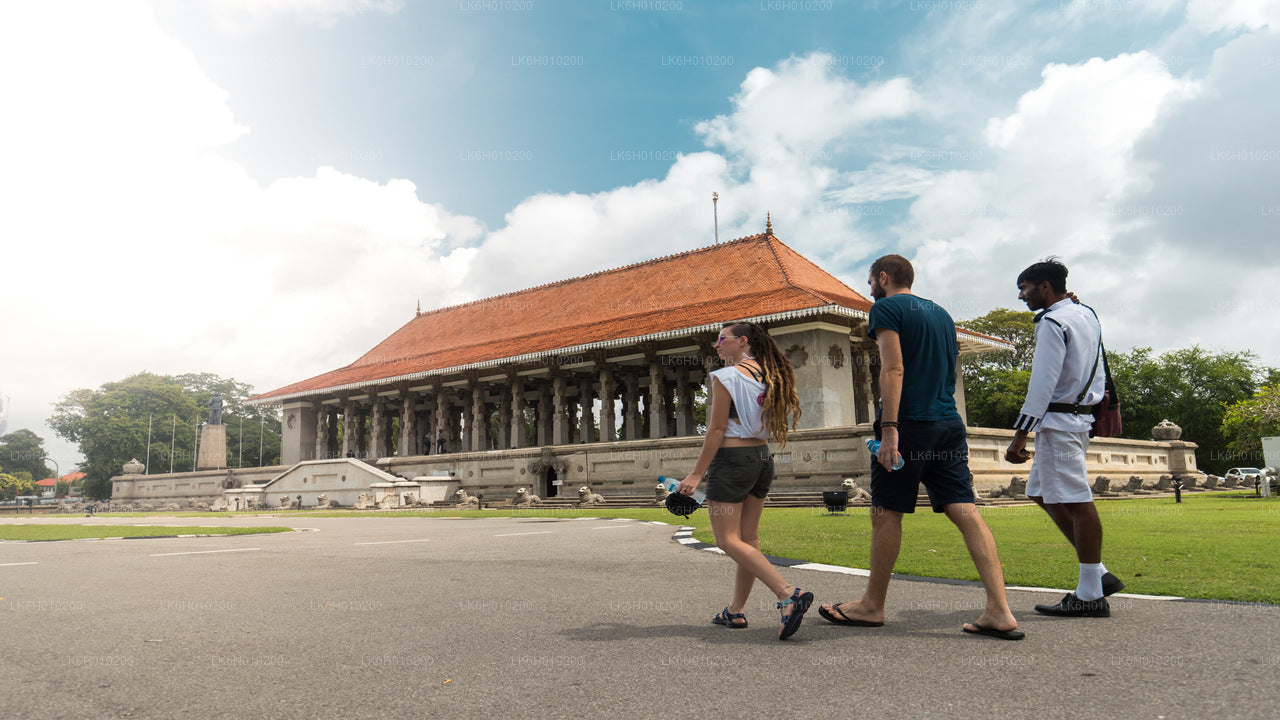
<point x="611" y="357"/>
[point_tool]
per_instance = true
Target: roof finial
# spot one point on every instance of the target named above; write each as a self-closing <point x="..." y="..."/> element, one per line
<point x="419" y="310"/>
<point x="768" y="224"/>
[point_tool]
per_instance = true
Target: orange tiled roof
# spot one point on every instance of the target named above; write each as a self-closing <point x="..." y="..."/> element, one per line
<point x="750" y="277"/>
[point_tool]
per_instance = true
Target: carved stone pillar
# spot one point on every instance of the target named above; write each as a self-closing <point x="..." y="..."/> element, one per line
<point x="378" y="428"/>
<point x="442" y="419"/>
<point x="544" y="417"/>
<point x="867" y="406"/>
<point x="586" y="408"/>
<point x="348" y="428"/>
<point x="657" y="401"/>
<point x="571" y="404"/>
<point x="362" y="433"/>
<point x="504" y="418"/>
<point x="408" y="425"/>
<point x="322" y="434"/>
<point x="684" y="395"/>
<point x="478" y="420"/>
<point x="608" y="432"/>
<point x="516" y="413"/>
<point x="560" y="414"/>
<point x="631" y="406"/>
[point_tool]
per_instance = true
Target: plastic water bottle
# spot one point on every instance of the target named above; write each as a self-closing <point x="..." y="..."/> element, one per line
<point x="874" y="446"/>
<point x="671" y="484"/>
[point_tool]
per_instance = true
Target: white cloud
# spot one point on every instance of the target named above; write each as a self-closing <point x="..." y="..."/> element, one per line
<point x="246" y="15"/>
<point x="1210" y="16"/>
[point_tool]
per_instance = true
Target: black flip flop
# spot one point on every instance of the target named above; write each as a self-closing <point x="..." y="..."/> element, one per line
<point x="845" y="619"/>
<point x="1014" y="634"/>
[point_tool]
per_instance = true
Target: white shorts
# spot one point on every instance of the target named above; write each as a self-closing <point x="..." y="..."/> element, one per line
<point x="1058" y="471"/>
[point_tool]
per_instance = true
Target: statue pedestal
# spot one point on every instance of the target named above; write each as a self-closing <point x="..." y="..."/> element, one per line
<point x="213" y="448"/>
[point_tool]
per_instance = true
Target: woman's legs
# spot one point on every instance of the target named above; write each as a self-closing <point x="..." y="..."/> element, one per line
<point x="736" y="527"/>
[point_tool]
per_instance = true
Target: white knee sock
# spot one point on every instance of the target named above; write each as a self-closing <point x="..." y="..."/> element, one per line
<point x="1090" y="586"/>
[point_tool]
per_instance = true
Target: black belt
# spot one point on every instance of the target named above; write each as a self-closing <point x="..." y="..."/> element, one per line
<point x="1070" y="409"/>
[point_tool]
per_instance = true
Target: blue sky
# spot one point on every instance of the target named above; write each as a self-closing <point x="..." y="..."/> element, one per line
<point x="264" y="189"/>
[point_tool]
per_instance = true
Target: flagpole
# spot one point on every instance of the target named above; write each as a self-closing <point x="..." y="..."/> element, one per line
<point x="147" y="471"/>
<point x="173" y="436"/>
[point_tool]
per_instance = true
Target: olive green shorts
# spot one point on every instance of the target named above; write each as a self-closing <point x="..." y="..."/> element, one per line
<point x="736" y="471"/>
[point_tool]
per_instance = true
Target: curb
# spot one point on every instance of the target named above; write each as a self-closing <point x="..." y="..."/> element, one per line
<point x="684" y="536"/>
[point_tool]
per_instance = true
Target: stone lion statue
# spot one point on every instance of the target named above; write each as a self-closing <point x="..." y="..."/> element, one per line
<point x="586" y="497"/>
<point x="466" y="500"/>
<point x="286" y="502"/>
<point x="364" y="502"/>
<point x="661" y="492"/>
<point x="526" y="499"/>
<point x="856" y="494"/>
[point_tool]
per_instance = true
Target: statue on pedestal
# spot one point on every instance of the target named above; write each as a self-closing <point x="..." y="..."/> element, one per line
<point x="215" y="409"/>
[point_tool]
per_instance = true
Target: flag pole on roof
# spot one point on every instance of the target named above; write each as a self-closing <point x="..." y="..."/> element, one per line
<point x="715" y="213"/>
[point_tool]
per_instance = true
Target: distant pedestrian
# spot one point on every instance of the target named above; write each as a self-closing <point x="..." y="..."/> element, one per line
<point x="918" y="422"/>
<point x="753" y="399"/>
<point x="1065" y="385"/>
<point x="440" y="440"/>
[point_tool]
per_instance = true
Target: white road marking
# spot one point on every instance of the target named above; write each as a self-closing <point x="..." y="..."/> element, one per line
<point x="390" y="542"/>
<point x="608" y="527"/>
<point x="205" y="552"/>
<point x="540" y="532"/>
<point x="12" y="564"/>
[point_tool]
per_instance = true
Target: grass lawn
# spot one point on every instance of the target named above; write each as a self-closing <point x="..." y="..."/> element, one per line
<point x="78" y="532"/>
<point x="1223" y="546"/>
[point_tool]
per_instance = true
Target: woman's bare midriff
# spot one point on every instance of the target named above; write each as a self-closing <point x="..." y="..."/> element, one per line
<point x="742" y="442"/>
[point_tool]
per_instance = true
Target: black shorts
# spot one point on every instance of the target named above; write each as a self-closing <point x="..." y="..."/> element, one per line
<point x="935" y="454"/>
<point x="736" y="471"/>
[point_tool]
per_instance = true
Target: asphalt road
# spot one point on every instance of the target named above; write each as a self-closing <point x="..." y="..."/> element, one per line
<point x="563" y="618"/>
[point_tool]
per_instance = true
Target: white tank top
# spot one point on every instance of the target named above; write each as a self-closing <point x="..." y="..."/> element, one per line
<point x="748" y="398"/>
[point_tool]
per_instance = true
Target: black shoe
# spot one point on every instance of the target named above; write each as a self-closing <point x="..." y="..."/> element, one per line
<point x="1072" y="606"/>
<point x="1111" y="584"/>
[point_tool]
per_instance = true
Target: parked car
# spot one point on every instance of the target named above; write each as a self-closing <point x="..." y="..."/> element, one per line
<point x="1249" y="474"/>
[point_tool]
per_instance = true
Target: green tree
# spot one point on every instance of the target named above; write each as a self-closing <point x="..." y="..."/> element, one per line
<point x="995" y="383"/>
<point x="1192" y="387"/>
<point x="12" y="486"/>
<point x="23" y="450"/>
<point x="1246" y="422"/>
<point x="110" y="425"/>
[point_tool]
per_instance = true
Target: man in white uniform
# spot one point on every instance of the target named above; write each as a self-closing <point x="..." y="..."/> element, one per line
<point x="1065" y="384"/>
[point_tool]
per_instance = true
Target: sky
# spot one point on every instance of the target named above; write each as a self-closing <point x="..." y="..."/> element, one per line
<point x="265" y="189"/>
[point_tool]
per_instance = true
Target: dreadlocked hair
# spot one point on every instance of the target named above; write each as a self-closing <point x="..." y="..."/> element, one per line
<point x="781" y="402"/>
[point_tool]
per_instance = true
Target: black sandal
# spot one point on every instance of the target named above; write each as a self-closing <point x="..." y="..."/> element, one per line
<point x="791" y="623"/>
<point x="726" y="618"/>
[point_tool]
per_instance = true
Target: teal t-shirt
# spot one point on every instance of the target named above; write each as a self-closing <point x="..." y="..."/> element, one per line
<point x="929" y="351"/>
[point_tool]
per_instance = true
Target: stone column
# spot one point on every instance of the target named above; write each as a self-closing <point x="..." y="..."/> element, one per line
<point x="504" y="418"/>
<point x="560" y="415"/>
<point x="631" y="406"/>
<point x="331" y="442"/>
<point x="516" y="414"/>
<point x="867" y="399"/>
<point x="656" y="404"/>
<point x="684" y="414"/>
<point x="378" y="429"/>
<point x="408" y="426"/>
<point x="362" y="433"/>
<point x="297" y="437"/>
<point x="322" y="434"/>
<point x="586" y="406"/>
<point x="544" y="417"/>
<point x="608" y="431"/>
<point x="348" y="428"/>
<point x="477" y="417"/>
<point x="820" y="353"/>
<point x="571" y="403"/>
<point x="442" y="417"/>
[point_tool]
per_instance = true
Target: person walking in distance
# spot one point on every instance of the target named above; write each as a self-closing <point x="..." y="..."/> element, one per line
<point x="919" y="424"/>
<point x="1064" y="386"/>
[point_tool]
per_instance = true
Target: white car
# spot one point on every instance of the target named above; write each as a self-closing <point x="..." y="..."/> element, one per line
<point x="1245" y="473"/>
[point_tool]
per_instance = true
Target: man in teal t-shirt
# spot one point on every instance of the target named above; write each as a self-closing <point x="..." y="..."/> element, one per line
<point x="918" y="422"/>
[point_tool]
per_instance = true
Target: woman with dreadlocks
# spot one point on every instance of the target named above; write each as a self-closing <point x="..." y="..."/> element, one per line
<point x="753" y="399"/>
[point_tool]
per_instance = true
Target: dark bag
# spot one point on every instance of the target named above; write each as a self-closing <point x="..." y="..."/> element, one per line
<point x="1106" y="414"/>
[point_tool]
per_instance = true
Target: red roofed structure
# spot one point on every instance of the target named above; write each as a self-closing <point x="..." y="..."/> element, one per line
<point x="536" y="367"/>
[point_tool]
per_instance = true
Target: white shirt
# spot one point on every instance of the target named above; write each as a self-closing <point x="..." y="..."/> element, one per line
<point x="748" y="399"/>
<point x="1068" y="338"/>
